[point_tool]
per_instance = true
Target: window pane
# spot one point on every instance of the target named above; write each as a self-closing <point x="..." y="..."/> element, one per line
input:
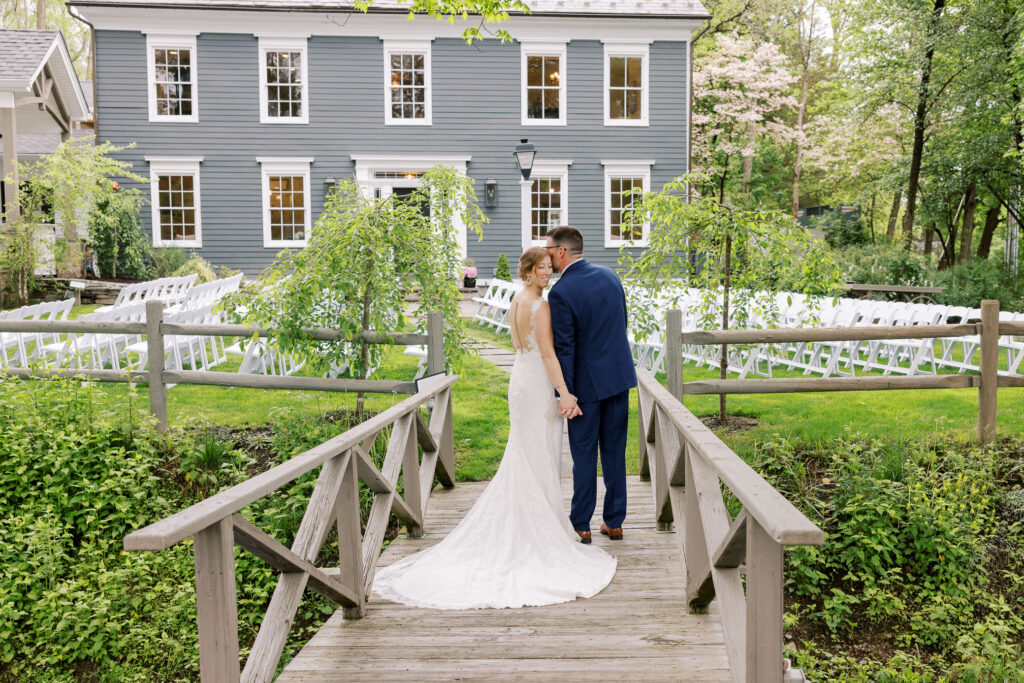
<point x="633" y="104"/>
<point x="618" y="71"/>
<point x="406" y="61"/>
<point x="396" y="61"/>
<point x="420" y="112"/>
<point x="616" y="104"/>
<point x="534" y="71"/>
<point x="551" y="104"/>
<point x="535" y="103"/>
<point x="551" y="74"/>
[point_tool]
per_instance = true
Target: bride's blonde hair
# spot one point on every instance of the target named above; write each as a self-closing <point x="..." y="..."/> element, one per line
<point x="530" y="259"/>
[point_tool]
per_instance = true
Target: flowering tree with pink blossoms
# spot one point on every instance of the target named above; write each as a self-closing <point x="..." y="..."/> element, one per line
<point x="741" y="93"/>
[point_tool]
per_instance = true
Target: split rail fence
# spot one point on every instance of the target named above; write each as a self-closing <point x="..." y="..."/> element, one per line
<point x="985" y="335"/>
<point x="158" y="378"/>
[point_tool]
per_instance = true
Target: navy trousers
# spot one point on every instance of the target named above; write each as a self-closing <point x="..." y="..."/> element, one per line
<point x="601" y="428"/>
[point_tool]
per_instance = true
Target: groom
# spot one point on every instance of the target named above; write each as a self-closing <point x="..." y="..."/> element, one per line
<point x="588" y="319"/>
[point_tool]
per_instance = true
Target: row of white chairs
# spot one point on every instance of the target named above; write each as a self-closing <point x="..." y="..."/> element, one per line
<point x="171" y="290"/>
<point x="17" y="349"/>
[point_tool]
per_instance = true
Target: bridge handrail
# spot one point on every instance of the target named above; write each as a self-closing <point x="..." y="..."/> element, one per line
<point x="687" y="462"/>
<point x="216" y="526"/>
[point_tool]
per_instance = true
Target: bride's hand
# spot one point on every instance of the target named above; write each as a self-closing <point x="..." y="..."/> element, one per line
<point x="567" y="405"/>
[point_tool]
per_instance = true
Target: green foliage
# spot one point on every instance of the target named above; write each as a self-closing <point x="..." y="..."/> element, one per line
<point x="198" y="265"/>
<point x="839" y="231"/>
<point x="116" y="237"/>
<point x="885" y="263"/>
<point x="364" y="258"/>
<point x="920" y="544"/>
<point x="966" y="284"/>
<point x="501" y="270"/>
<point x="166" y="260"/>
<point x="18" y="256"/>
<point x="767" y="251"/>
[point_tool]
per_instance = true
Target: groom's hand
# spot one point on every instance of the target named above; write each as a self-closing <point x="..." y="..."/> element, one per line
<point x="567" y="406"/>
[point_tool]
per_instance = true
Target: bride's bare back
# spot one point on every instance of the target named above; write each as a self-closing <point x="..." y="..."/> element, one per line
<point x="521" y="321"/>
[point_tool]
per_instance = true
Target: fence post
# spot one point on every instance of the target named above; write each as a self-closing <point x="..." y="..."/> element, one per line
<point x="435" y="342"/>
<point x="674" y="352"/>
<point x="216" y="602"/>
<point x="350" y="548"/>
<point x="988" y="368"/>
<point x="764" y="606"/>
<point x="155" y="357"/>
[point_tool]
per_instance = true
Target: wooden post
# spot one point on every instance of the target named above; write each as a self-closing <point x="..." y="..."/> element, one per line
<point x="674" y="352"/>
<point x="155" y="357"/>
<point x="764" y="606"/>
<point x="988" y="368"/>
<point x="216" y="602"/>
<point x="350" y="538"/>
<point x="411" y="475"/>
<point x="9" y="131"/>
<point x="695" y="546"/>
<point x="435" y="342"/>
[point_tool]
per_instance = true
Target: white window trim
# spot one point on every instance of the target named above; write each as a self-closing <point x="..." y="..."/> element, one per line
<point x="157" y="41"/>
<point x="276" y="43"/>
<point x="284" y="166"/>
<point x="174" y="166"/>
<point x="548" y="168"/>
<point x="406" y="47"/>
<point x="528" y="48"/>
<point x="620" y="169"/>
<point x="632" y="49"/>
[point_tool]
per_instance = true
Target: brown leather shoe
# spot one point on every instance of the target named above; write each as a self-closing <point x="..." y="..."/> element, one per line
<point x="584" y="537"/>
<point x="612" y="534"/>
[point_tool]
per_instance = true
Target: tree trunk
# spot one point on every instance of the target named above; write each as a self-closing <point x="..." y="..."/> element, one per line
<point x="967" y="231"/>
<point x="365" y="348"/>
<point x="949" y="248"/>
<point x="40" y="14"/>
<point x="920" y="119"/>
<point x="724" y="362"/>
<point x="871" y="218"/>
<point x="894" y="214"/>
<point x="991" y="223"/>
<point x="929" y="235"/>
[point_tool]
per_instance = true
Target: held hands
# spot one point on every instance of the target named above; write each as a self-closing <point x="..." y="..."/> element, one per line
<point x="568" y="406"/>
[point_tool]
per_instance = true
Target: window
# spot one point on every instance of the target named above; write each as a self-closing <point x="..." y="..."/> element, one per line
<point x="543" y="84"/>
<point x="286" y="218"/>
<point x="174" y="195"/>
<point x="284" y="81"/>
<point x="626" y="84"/>
<point x="621" y="180"/>
<point x="545" y="201"/>
<point x="171" y="63"/>
<point x="407" y="82"/>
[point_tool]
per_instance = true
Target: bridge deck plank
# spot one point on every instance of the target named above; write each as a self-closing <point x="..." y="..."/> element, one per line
<point x="637" y="629"/>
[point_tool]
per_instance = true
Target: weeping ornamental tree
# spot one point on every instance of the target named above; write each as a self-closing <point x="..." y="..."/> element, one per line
<point x="739" y="259"/>
<point x="363" y="258"/>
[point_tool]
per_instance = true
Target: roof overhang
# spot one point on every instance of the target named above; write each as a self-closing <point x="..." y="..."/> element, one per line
<point x="56" y="68"/>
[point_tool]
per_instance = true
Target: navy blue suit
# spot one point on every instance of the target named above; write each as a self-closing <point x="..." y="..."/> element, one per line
<point x="588" y="319"/>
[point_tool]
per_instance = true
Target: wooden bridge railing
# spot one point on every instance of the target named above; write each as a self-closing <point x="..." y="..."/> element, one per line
<point x="688" y="464"/>
<point x="217" y="525"/>
<point x="987" y="381"/>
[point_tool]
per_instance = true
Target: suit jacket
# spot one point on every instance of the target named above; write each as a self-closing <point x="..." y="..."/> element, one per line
<point x="588" y="320"/>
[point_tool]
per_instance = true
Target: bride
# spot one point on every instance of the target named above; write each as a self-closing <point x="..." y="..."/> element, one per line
<point x="515" y="546"/>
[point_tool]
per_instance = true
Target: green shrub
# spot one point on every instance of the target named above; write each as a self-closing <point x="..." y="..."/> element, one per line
<point x="840" y="231"/>
<point x="502" y="271"/>
<point x="884" y="264"/>
<point x="116" y="237"/>
<point x="966" y="284"/>
<point x="198" y="265"/>
<point x="166" y="260"/>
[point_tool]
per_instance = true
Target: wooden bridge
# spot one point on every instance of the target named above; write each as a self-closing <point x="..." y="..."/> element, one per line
<point x="658" y="620"/>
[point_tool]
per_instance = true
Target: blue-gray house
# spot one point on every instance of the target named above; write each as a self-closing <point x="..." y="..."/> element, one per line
<point x="242" y="112"/>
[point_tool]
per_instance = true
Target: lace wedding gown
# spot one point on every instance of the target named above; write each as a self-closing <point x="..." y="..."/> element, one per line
<point x="515" y="546"/>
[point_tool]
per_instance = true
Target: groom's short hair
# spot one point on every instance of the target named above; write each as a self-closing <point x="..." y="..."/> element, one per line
<point x="568" y="237"/>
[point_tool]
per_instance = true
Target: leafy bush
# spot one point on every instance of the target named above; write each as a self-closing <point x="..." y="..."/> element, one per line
<point x="78" y="474"/>
<point x="966" y="284"/>
<point x="921" y="563"/>
<point x="198" y="265"/>
<point x="501" y="270"/>
<point x="841" y="232"/>
<point x="116" y="237"/>
<point x="885" y="263"/>
<point x="166" y="260"/>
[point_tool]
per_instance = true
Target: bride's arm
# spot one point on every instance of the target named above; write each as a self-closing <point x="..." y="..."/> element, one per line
<point x="545" y="340"/>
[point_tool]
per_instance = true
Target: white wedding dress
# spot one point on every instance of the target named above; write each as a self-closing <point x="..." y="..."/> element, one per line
<point x="515" y="546"/>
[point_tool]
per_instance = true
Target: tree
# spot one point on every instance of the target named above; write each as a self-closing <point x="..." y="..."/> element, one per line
<point x="363" y="258"/>
<point x="745" y="257"/>
<point x="740" y="93"/>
